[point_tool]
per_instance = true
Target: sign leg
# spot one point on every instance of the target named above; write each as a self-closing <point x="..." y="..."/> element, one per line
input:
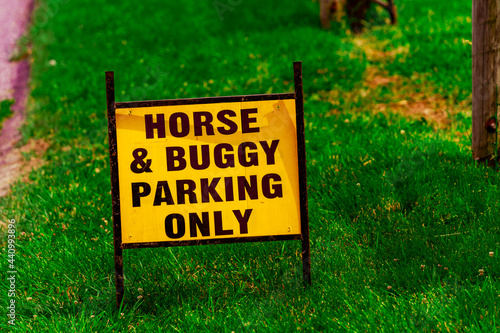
<point x="117" y="240"/>
<point x="119" y="281"/>
<point x="306" y="261"/>
<point x="301" y="150"/>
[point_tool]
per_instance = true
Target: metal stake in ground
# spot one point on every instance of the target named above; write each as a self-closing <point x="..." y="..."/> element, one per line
<point x="301" y="150"/>
<point x="115" y="191"/>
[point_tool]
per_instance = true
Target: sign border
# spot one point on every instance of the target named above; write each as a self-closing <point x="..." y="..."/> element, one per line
<point x="119" y="246"/>
<point x="204" y="100"/>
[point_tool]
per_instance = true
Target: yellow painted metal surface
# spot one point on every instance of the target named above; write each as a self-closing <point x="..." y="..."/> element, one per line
<point x="208" y="171"/>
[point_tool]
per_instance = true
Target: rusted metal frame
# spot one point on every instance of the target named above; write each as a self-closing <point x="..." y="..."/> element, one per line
<point x="115" y="190"/>
<point x="204" y="100"/>
<point x="389" y="6"/>
<point x="119" y="246"/>
<point x="301" y="152"/>
<point x="212" y="241"/>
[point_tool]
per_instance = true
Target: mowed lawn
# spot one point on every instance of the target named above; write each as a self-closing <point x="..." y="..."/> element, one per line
<point x="405" y="233"/>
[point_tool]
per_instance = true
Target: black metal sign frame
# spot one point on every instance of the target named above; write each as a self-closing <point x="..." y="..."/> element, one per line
<point x="298" y="96"/>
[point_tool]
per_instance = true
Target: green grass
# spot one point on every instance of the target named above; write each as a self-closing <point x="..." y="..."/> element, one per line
<point x="437" y="36"/>
<point x="401" y="218"/>
<point x="5" y="111"/>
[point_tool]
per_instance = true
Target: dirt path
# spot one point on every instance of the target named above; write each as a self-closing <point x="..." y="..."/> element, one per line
<point x="14" y="18"/>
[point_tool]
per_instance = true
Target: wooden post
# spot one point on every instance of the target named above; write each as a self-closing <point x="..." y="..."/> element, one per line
<point x="485" y="78"/>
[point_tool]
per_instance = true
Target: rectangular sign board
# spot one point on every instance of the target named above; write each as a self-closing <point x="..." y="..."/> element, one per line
<point x="207" y="170"/>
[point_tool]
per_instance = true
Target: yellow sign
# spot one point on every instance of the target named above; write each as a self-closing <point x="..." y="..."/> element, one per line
<point x="208" y="171"/>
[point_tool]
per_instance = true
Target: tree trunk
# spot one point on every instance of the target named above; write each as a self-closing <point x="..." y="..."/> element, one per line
<point x="485" y="78"/>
